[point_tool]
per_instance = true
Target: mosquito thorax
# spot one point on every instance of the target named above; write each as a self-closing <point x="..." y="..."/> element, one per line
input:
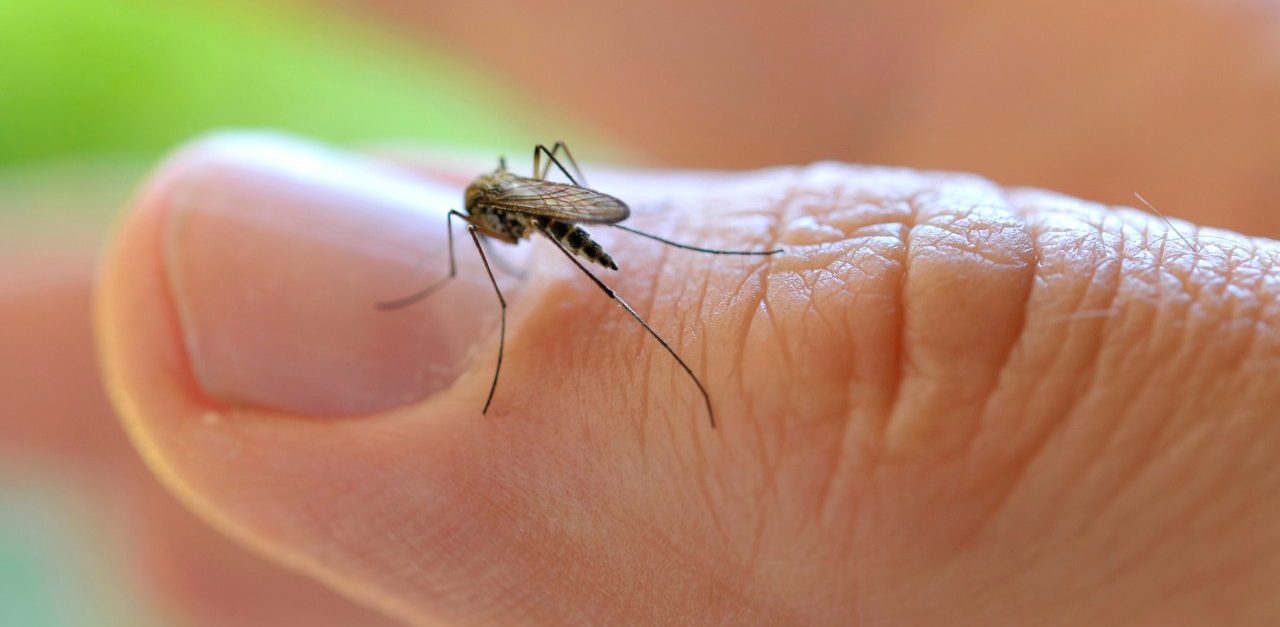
<point x="508" y="208"/>
<point x="473" y="194"/>
<point x="484" y="186"/>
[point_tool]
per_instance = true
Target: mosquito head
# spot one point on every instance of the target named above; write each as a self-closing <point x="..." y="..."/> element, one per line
<point x="473" y="194"/>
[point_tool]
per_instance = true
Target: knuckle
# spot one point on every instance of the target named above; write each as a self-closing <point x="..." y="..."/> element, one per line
<point x="904" y="293"/>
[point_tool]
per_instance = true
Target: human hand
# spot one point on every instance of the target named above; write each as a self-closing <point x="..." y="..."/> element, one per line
<point x="945" y="402"/>
<point x="59" y="433"/>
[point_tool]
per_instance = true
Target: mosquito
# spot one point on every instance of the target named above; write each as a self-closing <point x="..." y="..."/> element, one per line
<point x="508" y="207"/>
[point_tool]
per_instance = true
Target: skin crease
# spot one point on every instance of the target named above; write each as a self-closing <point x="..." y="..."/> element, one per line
<point x="1153" y="140"/>
<point x="923" y="418"/>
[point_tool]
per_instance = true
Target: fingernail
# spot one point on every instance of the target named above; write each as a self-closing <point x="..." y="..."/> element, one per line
<point x="277" y="251"/>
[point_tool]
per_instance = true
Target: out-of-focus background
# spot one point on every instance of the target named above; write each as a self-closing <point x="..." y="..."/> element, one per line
<point x="92" y="93"/>
<point x="1176" y="99"/>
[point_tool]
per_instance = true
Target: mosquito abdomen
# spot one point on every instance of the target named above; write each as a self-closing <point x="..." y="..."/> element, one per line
<point x="579" y="242"/>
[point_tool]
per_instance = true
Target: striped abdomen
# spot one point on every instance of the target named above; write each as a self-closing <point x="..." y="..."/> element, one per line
<point x="578" y="242"/>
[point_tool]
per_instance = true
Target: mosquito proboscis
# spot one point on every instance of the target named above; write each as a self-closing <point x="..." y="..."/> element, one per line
<point x="507" y="207"/>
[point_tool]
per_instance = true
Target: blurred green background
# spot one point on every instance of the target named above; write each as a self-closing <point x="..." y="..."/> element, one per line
<point x="92" y="93"/>
<point x="97" y="89"/>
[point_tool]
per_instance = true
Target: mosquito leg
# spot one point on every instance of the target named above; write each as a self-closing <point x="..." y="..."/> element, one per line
<point x="582" y="180"/>
<point x="430" y="289"/>
<point x="540" y="170"/>
<point x="502" y="333"/>
<point x="501" y="262"/>
<point x="713" y="251"/>
<point x="618" y="299"/>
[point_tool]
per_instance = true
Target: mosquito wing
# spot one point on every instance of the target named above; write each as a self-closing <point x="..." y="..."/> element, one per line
<point x="560" y="201"/>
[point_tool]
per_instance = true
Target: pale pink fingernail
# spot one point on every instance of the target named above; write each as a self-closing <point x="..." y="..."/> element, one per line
<point x="277" y="251"/>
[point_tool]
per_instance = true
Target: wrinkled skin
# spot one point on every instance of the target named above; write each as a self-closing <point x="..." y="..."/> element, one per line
<point x="943" y="400"/>
<point x="1084" y="462"/>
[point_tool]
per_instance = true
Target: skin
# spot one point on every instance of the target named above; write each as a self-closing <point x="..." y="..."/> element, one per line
<point x="1203" y="424"/>
<point x="57" y="423"/>
<point x="946" y="399"/>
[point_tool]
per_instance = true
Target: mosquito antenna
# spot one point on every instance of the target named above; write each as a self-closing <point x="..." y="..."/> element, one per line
<point x="706" y="398"/>
<point x="712" y="251"/>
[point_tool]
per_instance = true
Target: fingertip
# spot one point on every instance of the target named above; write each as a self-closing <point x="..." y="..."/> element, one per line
<point x="239" y="341"/>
